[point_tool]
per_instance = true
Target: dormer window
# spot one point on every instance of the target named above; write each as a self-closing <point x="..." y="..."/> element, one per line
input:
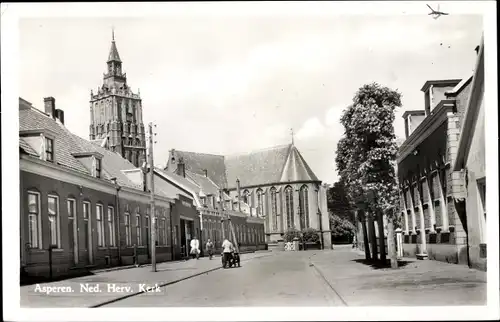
<point x="49" y="149"/>
<point x="98" y="168"/>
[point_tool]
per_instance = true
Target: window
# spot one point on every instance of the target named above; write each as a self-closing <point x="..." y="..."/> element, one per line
<point x="49" y="149"/>
<point x="97" y="167"/>
<point x="260" y="203"/>
<point x="128" y="237"/>
<point x="34" y="222"/>
<point x="72" y="232"/>
<point x="54" y="221"/>
<point x="481" y="186"/>
<point x="138" y="229"/>
<point x="274" y="209"/>
<point x="111" y="226"/>
<point x="100" y="226"/>
<point x="289" y="206"/>
<point x="164" y="226"/>
<point x="86" y="222"/>
<point x="304" y="207"/>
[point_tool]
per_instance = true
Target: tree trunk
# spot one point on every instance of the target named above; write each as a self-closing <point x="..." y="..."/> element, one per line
<point x="365" y="237"/>
<point x="381" y="235"/>
<point x="373" y="237"/>
<point x="391" y="247"/>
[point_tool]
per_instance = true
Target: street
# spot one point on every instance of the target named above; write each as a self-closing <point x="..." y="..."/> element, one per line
<point x="311" y="278"/>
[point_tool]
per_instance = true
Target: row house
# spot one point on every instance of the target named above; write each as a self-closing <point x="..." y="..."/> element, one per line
<point x="206" y="216"/>
<point x="81" y="206"/>
<point x="434" y="220"/>
<point x="274" y="184"/>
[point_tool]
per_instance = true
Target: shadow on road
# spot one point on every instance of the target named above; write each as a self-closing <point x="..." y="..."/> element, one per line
<point x="377" y="264"/>
<point x="30" y="280"/>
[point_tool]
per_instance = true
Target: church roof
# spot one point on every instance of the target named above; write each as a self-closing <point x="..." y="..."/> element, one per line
<point x="113" y="53"/>
<point x="257" y="167"/>
<point x="282" y="163"/>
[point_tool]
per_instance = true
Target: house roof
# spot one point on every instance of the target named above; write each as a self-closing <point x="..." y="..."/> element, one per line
<point x="460" y="86"/>
<point x="471" y="112"/>
<point x="282" y="163"/>
<point x="112" y="163"/>
<point x="198" y="162"/>
<point x="64" y="145"/>
<point x="27" y="148"/>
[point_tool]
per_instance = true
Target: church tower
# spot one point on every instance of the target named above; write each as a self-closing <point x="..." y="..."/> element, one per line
<point x="116" y="113"/>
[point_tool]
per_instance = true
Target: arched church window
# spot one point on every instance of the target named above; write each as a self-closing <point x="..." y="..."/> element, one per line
<point x="260" y="202"/>
<point x="304" y="207"/>
<point x="289" y="206"/>
<point x="274" y="208"/>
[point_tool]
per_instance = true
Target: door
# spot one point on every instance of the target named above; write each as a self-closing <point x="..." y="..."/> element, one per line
<point x="183" y="237"/>
<point x="72" y="230"/>
<point x="87" y="234"/>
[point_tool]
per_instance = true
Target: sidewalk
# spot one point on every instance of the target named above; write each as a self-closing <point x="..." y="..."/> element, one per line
<point x="414" y="283"/>
<point x="107" y="286"/>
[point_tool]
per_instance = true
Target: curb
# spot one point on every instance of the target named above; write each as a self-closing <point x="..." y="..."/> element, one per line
<point x="166" y="284"/>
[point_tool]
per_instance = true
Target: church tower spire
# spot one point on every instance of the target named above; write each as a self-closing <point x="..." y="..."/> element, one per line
<point x="116" y="112"/>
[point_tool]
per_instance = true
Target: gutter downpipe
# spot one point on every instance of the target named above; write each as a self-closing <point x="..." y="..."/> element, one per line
<point x="171" y="234"/>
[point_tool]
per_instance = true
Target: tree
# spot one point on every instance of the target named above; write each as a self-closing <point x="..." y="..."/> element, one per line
<point x="341" y="227"/>
<point x="366" y="155"/>
<point x="339" y="203"/>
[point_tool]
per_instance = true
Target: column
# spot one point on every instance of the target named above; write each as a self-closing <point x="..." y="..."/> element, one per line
<point x="430" y="204"/>
<point x="403" y="203"/>
<point x="423" y="250"/>
<point x="412" y="210"/>
<point x="442" y="204"/>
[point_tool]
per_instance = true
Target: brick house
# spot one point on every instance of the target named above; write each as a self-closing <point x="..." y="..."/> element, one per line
<point x="81" y="205"/>
<point x="433" y="226"/>
<point x="470" y="162"/>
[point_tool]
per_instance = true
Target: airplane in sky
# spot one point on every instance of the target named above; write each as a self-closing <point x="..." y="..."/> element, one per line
<point x="436" y="13"/>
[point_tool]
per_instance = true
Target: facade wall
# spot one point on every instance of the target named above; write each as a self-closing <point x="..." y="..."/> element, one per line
<point x="89" y="254"/>
<point x="184" y="209"/>
<point x="277" y="225"/>
<point x="476" y="193"/>
<point x="428" y="184"/>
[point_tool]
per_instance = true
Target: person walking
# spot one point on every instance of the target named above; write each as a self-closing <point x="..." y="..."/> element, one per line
<point x="227" y="249"/>
<point x="210" y="248"/>
<point x="195" y="248"/>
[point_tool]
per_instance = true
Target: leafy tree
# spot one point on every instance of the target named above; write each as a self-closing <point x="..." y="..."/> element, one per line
<point x="341" y="227"/>
<point x="366" y="154"/>
<point x="338" y="201"/>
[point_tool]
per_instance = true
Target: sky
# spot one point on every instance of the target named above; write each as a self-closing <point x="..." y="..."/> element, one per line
<point x="225" y="85"/>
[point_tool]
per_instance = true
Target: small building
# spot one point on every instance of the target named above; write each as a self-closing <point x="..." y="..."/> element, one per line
<point x="471" y="163"/>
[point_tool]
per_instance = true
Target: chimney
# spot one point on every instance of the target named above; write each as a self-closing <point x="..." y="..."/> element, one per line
<point x="60" y="115"/>
<point x="239" y="194"/>
<point x="50" y="106"/>
<point x="205" y="172"/>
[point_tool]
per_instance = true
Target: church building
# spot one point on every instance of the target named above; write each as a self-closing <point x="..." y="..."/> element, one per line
<point x="116" y="113"/>
<point x="275" y="184"/>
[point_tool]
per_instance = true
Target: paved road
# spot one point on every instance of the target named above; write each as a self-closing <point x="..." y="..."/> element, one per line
<point x="285" y="279"/>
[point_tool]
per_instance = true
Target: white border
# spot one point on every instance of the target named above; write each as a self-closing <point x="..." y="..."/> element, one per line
<point x="10" y="161"/>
